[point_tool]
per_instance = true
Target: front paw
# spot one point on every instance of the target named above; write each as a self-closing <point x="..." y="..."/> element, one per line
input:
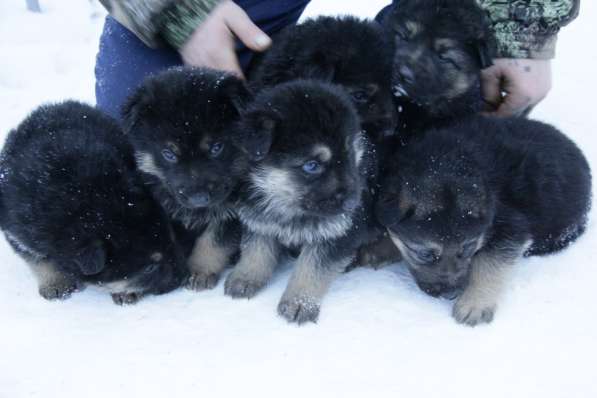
<point x="126" y="298"/>
<point x="299" y="309"/>
<point x="199" y="281"/>
<point x="58" y="290"/>
<point x="469" y="312"/>
<point x="241" y="286"/>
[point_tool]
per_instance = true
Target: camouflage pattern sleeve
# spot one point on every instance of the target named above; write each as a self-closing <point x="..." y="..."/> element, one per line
<point x="159" y="21"/>
<point x="528" y="28"/>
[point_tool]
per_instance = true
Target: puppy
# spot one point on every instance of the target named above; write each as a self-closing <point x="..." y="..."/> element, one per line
<point x="343" y="50"/>
<point x="181" y="124"/>
<point x="464" y="203"/>
<point x="440" y="48"/>
<point x="305" y="192"/>
<point x="73" y="206"/>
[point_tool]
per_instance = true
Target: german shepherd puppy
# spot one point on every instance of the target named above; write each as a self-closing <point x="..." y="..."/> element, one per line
<point x="342" y="50"/>
<point x="182" y="126"/>
<point x="440" y="48"/>
<point x="73" y="206"/>
<point x="463" y="204"/>
<point x="305" y="192"/>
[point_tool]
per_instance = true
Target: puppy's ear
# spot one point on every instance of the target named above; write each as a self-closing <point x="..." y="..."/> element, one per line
<point x="237" y="91"/>
<point x="258" y="134"/>
<point x="135" y="107"/>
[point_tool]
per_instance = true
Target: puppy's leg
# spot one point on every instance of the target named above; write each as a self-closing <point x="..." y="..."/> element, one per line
<point x="314" y="271"/>
<point x="489" y="274"/>
<point x="210" y="256"/>
<point x="53" y="283"/>
<point x="378" y="254"/>
<point x="126" y="298"/>
<point x="258" y="259"/>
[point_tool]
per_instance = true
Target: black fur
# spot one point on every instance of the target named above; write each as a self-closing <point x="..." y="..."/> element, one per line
<point x="323" y="213"/>
<point x="499" y="183"/>
<point x="76" y="202"/>
<point x="342" y="50"/>
<point x="191" y="113"/>
<point x="441" y="47"/>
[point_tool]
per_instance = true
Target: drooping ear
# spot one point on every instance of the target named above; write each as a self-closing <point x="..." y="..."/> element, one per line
<point x="237" y="91"/>
<point x="258" y="132"/>
<point x="135" y="106"/>
<point x="92" y="259"/>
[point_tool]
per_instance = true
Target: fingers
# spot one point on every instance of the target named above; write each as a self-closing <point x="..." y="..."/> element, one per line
<point x="513" y="105"/>
<point x="491" y="87"/>
<point x="247" y="32"/>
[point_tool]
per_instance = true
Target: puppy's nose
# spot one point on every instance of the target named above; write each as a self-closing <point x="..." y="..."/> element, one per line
<point x="406" y="74"/>
<point x="200" y="199"/>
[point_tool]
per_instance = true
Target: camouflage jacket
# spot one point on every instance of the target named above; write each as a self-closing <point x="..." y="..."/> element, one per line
<point x="523" y="28"/>
<point x="528" y="28"/>
<point x="160" y="21"/>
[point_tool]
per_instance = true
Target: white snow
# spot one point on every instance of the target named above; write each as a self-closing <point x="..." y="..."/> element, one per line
<point x="377" y="335"/>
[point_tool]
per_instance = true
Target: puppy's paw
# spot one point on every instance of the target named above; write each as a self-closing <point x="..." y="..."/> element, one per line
<point x="240" y="286"/>
<point x="199" y="281"/>
<point x="126" y="298"/>
<point x="469" y="312"/>
<point x="299" y="309"/>
<point x="60" y="290"/>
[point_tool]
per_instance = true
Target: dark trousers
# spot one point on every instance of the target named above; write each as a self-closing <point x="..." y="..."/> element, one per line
<point x="123" y="61"/>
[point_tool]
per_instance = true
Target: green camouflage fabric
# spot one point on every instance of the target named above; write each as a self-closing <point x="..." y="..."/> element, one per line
<point x="528" y="28"/>
<point x="156" y="22"/>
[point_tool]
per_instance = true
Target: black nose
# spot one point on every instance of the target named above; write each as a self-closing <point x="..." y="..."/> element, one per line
<point x="200" y="199"/>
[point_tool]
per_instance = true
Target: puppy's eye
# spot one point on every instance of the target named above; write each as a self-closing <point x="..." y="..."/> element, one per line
<point x="427" y="257"/>
<point x="169" y="156"/>
<point x="444" y="59"/>
<point x="359" y="96"/>
<point x="401" y="34"/>
<point x="216" y="149"/>
<point x="312" y="167"/>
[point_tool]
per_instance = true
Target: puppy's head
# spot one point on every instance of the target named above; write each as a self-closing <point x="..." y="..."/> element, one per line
<point x="437" y="209"/>
<point x="342" y="50"/>
<point x="441" y="46"/>
<point x="181" y="123"/>
<point x="307" y="136"/>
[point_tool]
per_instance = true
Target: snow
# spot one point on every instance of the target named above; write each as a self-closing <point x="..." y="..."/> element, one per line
<point x="377" y="334"/>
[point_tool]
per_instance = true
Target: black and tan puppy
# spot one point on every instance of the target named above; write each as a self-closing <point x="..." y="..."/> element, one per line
<point x="463" y="204"/>
<point x="440" y="48"/>
<point x="73" y="206"/>
<point x="342" y="50"/>
<point x="306" y="192"/>
<point x="182" y="127"/>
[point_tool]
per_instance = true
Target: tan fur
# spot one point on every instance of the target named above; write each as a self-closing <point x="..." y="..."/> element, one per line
<point x="259" y="258"/>
<point x="489" y="275"/>
<point x="209" y="257"/>
<point x="46" y="273"/>
<point x="322" y="152"/>
<point x="146" y="163"/>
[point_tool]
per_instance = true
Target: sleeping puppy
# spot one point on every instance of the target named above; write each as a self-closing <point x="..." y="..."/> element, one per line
<point x="464" y="203"/>
<point x="305" y="192"/>
<point x="73" y="206"/>
<point x="440" y="48"/>
<point x="343" y="50"/>
<point x="182" y="126"/>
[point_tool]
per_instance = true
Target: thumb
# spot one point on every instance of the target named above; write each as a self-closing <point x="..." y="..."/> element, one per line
<point x="491" y="87"/>
<point x="513" y="105"/>
<point x="247" y="32"/>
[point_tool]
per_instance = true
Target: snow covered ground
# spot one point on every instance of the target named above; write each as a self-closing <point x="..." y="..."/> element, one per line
<point x="377" y="335"/>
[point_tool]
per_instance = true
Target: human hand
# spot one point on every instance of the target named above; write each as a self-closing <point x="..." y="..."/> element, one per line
<point x="525" y="83"/>
<point x="212" y="43"/>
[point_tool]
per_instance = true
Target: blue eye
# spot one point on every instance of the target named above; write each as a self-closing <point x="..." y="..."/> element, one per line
<point x="312" y="167"/>
<point x="360" y="96"/>
<point x="169" y="156"/>
<point x="427" y="257"/>
<point x="216" y="149"/>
